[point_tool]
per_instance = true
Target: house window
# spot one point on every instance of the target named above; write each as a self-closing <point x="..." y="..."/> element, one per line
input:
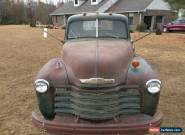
<point x="76" y="2"/>
<point x="95" y="2"/>
<point x="130" y="20"/>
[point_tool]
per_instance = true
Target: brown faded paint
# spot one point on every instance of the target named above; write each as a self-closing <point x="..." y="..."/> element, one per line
<point x="126" y="125"/>
<point x="54" y="72"/>
<point x="101" y="58"/>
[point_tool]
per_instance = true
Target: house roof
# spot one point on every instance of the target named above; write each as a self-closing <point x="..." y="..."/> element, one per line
<point x="130" y="6"/>
<point x="68" y="8"/>
<point x="100" y="16"/>
<point x="119" y="6"/>
<point x="159" y="5"/>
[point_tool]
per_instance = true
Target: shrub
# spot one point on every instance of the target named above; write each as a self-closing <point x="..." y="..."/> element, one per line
<point x="7" y="22"/>
<point x="32" y="24"/>
<point x="158" y="31"/>
<point x="141" y="27"/>
<point x="131" y="31"/>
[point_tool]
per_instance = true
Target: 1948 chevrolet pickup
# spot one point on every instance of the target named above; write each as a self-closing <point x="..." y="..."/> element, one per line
<point x="99" y="85"/>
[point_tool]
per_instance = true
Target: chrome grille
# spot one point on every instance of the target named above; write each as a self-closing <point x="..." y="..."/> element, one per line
<point x="97" y="105"/>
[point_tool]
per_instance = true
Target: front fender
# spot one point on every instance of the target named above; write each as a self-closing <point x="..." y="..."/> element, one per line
<point x="55" y="73"/>
<point x="139" y="76"/>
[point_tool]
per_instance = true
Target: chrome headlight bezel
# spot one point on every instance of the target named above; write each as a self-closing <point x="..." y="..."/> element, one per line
<point x="153" y="86"/>
<point x="41" y="85"/>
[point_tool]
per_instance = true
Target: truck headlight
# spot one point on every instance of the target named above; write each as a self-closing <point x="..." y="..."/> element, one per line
<point x="153" y="86"/>
<point x="41" y="85"/>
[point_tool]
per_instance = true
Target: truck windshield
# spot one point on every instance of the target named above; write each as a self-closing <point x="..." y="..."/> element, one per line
<point x="97" y="28"/>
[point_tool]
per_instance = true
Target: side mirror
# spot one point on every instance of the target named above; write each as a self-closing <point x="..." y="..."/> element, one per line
<point x="142" y="37"/>
<point x="46" y="33"/>
<point x="132" y="42"/>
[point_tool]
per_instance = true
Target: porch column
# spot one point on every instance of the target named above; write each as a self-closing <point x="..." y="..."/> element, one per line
<point x="140" y="18"/>
<point x="152" y="23"/>
<point x="64" y="20"/>
<point x="163" y="20"/>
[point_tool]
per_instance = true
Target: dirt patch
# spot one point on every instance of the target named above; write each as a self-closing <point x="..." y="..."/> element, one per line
<point x="23" y="51"/>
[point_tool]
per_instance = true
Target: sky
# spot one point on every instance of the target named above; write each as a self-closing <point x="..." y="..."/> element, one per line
<point x="54" y="1"/>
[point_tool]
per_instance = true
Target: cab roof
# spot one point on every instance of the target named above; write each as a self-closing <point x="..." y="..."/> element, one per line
<point x="87" y="16"/>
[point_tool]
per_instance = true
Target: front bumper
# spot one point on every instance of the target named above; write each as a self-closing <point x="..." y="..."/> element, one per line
<point x="70" y="125"/>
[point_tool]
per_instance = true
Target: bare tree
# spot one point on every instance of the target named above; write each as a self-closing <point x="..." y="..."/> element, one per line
<point x="42" y="12"/>
<point x="18" y="12"/>
<point x="176" y="4"/>
<point x="5" y="9"/>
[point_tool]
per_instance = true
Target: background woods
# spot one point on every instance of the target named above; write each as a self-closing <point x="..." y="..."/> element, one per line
<point x="177" y="4"/>
<point x="19" y="12"/>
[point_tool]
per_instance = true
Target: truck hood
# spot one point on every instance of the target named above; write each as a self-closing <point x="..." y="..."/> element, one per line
<point x="97" y="58"/>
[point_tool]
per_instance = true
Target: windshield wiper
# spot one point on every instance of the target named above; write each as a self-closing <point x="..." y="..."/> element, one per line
<point x="111" y="35"/>
<point x="74" y="35"/>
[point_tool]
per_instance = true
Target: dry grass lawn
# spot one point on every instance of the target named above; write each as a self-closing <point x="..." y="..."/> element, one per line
<point x="23" y="51"/>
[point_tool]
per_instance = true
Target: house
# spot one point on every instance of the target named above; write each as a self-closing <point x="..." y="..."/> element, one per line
<point x="150" y="12"/>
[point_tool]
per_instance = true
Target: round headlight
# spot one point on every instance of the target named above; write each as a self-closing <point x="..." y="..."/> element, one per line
<point x="41" y="85"/>
<point x="153" y="86"/>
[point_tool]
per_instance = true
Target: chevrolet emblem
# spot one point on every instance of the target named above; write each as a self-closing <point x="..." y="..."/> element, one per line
<point x="97" y="81"/>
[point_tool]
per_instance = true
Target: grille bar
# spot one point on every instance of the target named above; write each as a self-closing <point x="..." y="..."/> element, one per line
<point x="97" y="105"/>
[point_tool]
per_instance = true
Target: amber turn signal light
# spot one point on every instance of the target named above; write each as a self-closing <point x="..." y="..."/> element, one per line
<point x="135" y="64"/>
